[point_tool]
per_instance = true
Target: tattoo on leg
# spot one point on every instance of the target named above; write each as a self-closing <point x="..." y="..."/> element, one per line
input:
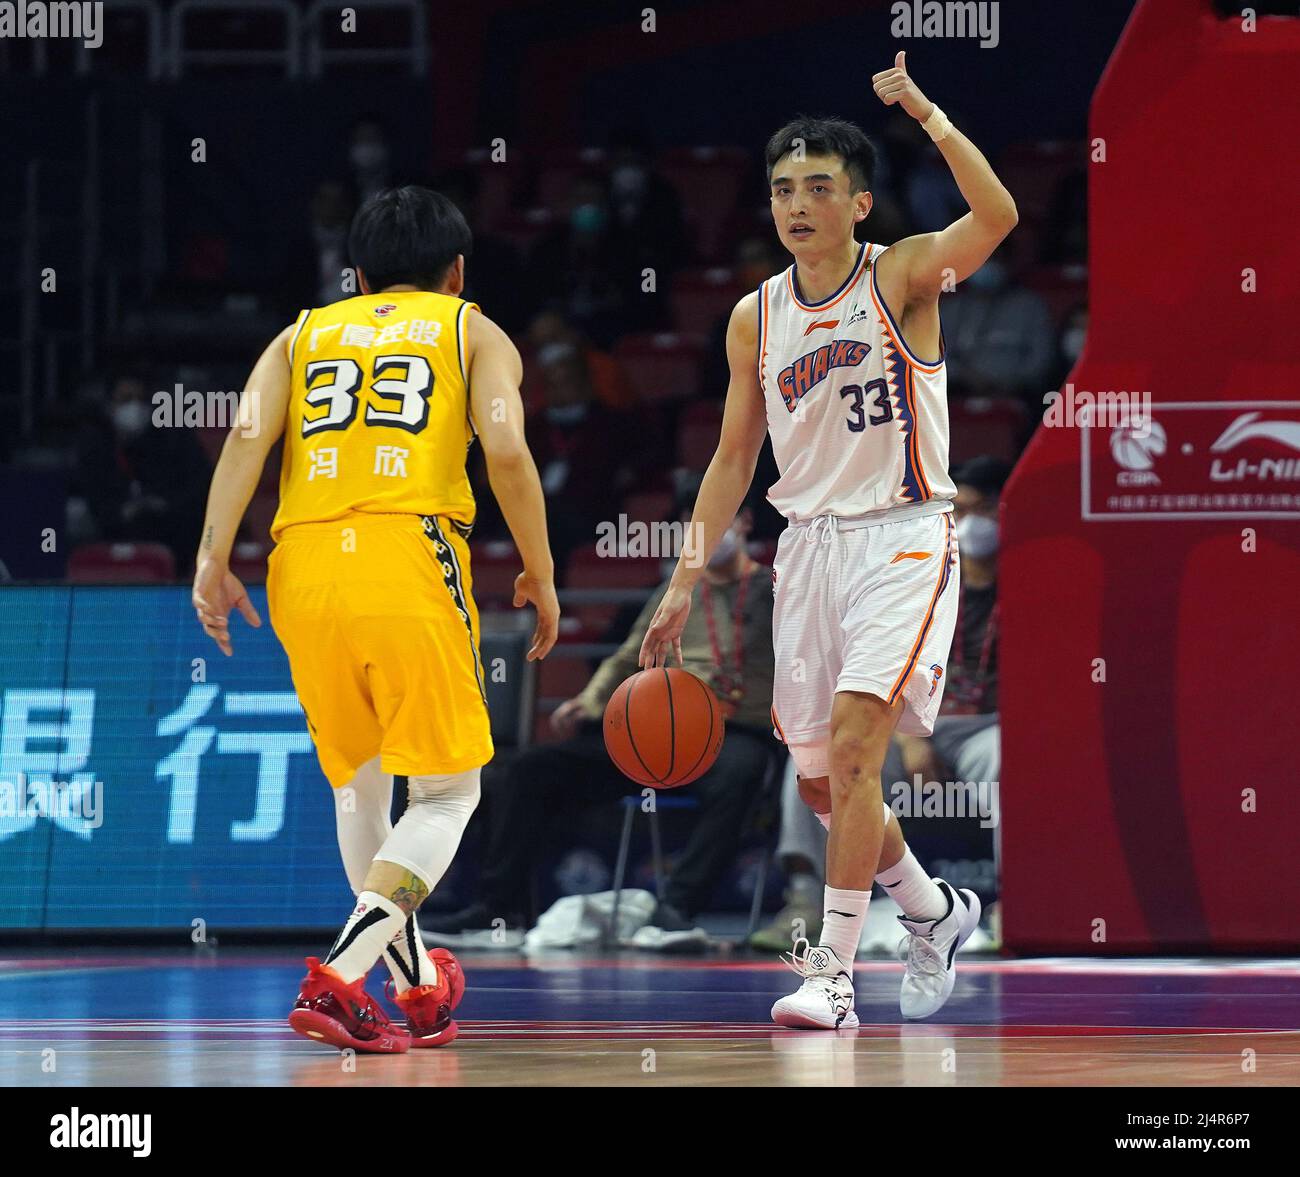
<point x="409" y="893"/>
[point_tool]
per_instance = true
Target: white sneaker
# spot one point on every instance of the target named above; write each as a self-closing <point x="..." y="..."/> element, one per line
<point x="930" y="950"/>
<point x="825" y="999"/>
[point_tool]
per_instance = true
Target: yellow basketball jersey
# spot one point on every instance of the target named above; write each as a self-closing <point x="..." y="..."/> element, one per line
<point x="378" y="410"/>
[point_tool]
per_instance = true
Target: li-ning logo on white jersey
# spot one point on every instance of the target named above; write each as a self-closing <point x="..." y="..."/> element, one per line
<point x="858" y="422"/>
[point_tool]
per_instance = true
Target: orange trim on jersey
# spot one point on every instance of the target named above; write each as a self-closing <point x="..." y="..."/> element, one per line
<point x="898" y="343"/>
<point x="762" y="336"/>
<point x="915" y="441"/>
<point x="849" y="284"/>
<point x="915" y="653"/>
<point x="776" y="723"/>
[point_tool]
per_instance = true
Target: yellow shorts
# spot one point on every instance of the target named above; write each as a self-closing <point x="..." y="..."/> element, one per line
<point x="382" y="634"/>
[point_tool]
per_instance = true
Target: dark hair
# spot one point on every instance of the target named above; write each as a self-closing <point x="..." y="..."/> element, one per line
<point x="827" y="137"/>
<point x="409" y="236"/>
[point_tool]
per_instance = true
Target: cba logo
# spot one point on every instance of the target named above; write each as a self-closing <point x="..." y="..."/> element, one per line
<point x="936" y="673"/>
<point x="386" y="309"/>
<point x="1136" y="450"/>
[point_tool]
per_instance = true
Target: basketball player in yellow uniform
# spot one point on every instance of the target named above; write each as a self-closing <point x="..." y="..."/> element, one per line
<point x="379" y="398"/>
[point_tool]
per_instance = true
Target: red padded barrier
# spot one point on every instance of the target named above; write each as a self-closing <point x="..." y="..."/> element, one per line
<point x="1124" y="827"/>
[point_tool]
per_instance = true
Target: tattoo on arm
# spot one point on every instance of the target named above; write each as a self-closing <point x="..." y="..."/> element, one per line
<point x="409" y="893"/>
<point x="207" y="537"/>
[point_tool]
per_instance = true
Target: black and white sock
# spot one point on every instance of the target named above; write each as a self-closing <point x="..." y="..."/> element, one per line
<point x="373" y="923"/>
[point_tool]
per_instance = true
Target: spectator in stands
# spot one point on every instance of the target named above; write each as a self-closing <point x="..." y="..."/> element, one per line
<point x="1069" y="346"/>
<point x="757" y="259"/>
<point x="609" y="383"/>
<point x="727" y="643"/>
<point x="369" y="158"/>
<point x="150" y="482"/>
<point x="576" y="443"/>
<point x="800" y="851"/>
<point x="492" y="270"/>
<point x="326" y="245"/>
<point x="648" y="227"/>
<point x="998" y="335"/>
<point x="966" y="743"/>
<point x="573" y="268"/>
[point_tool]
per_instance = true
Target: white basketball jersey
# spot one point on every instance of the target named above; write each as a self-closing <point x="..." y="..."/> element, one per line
<point x="858" y="423"/>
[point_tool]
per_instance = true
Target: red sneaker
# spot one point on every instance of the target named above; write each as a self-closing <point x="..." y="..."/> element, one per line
<point x="428" y="1007"/>
<point x="330" y="1010"/>
<point x="448" y="964"/>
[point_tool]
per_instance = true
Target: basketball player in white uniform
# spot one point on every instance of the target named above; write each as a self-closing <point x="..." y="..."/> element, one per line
<point x="841" y="359"/>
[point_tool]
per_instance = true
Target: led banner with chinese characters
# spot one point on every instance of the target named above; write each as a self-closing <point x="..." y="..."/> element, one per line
<point x="146" y="780"/>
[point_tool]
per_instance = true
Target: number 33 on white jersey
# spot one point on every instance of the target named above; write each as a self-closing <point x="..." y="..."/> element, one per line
<point x="858" y="422"/>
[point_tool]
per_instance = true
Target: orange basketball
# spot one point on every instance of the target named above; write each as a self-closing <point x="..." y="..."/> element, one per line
<point x="663" y="727"/>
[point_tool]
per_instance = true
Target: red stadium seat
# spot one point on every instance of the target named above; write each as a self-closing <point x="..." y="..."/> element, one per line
<point x="649" y="506"/>
<point x="493" y="566"/>
<point x="1032" y="172"/>
<point x="561" y="675"/>
<point x="709" y="181"/>
<point x="1062" y="287"/>
<point x="985" y="425"/>
<point x="662" y="365"/>
<point x="248" y="561"/>
<point x="698" y="433"/>
<point x="701" y="297"/>
<point x="587" y="568"/>
<point x="125" y="563"/>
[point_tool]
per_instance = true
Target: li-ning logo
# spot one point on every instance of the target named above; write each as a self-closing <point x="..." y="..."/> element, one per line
<point x="84" y="22"/>
<point x="1249" y="426"/>
<point x="809" y="370"/>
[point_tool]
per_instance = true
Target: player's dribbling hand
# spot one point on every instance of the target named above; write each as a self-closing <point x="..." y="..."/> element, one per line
<point x="216" y="592"/>
<point x="896" y="86"/>
<point x="540" y="593"/>
<point x="664" y="637"/>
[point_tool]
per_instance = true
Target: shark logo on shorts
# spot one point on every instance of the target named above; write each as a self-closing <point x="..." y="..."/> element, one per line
<point x="936" y="673"/>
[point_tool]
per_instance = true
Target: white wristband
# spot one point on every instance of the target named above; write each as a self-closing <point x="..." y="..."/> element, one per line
<point x="937" y="126"/>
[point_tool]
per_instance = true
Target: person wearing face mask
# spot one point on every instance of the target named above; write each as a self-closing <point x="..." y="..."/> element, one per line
<point x="368" y="157"/>
<point x="998" y="335"/>
<point x="727" y="644"/>
<point x="966" y="743"/>
<point x="156" y="476"/>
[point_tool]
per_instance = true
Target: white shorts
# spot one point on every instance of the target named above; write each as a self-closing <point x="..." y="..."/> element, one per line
<point x="867" y="607"/>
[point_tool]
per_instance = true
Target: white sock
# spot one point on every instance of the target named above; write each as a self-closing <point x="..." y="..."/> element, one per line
<point x="373" y="923"/>
<point x="908" y="885"/>
<point x="843" y="913"/>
